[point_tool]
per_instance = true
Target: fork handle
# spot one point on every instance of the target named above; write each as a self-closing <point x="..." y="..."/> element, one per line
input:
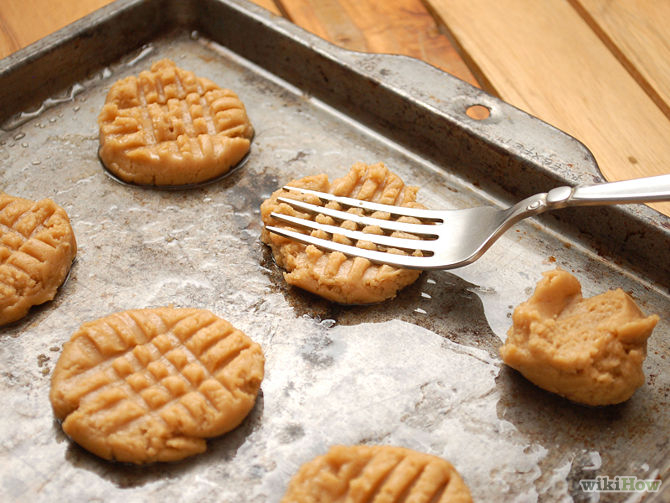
<point x="637" y="190"/>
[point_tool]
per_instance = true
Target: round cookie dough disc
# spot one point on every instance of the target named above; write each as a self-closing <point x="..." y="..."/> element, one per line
<point x="379" y="473"/>
<point x="37" y="247"/>
<point x="150" y="385"/>
<point x="169" y="127"/>
<point x="333" y="275"/>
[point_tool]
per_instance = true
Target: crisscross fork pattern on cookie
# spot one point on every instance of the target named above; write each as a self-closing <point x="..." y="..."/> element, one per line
<point x="169" y="104"/>
<point x="175" y="373"/>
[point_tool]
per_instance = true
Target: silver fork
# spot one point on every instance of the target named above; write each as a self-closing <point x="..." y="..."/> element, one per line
<point x="451" y="238"/>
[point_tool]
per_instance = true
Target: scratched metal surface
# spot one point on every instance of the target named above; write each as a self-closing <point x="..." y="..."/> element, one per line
<point x="421" y="371"/>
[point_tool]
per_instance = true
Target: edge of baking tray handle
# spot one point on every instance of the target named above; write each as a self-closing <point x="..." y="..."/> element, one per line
<point x="506" y="128"/>
<point x="444" y="99"/>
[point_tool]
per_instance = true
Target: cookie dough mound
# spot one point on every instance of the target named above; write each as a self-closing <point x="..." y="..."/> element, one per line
<point x="37" y="247"/>
<point x="333" y="275"/>
<point x="169" y="127"/>
<point x="587" y="350"/>
<point x="150" y="385"/>
<point x="376" y="473"/>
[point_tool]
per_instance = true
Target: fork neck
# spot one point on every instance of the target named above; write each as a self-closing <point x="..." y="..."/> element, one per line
<point x="533" y="205"/>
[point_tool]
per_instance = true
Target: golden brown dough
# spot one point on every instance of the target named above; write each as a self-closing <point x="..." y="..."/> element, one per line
<point x="588" y="350"/>
<point x="365" y="474"/>
<point x="151" y="384"/>
<point x="333" y="275"/>
<point x="37" y="247"/>
<point x="169" y="127"/>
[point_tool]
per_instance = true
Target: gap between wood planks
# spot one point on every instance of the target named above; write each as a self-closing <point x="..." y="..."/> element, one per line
<point x="637" y="34"/>
<point x="395" y="27"/>
<point x="543" y="57"/>
<point x="26" y="21"/>
<point x="598" y="111"/>
<point x="622" y="112"/>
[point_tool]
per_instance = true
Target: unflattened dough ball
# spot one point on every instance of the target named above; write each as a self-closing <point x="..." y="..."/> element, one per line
<point x="169" y="127"/>
<point x="151" y="384"/>
<point x="37" y="247"/>
<point x="376" y="473"/>
<point x="333" y="275"/>
<point x="588" y="350"/>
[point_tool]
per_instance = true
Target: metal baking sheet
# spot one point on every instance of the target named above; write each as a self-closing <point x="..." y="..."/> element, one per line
<point x="420" y="371"/>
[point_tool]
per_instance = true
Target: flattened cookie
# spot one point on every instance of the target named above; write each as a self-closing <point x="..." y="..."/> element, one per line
<point x="169" y="127"/>
<point x="151" y="384"/>
<point x="37" y="247"/>
<point x="376" y="473"/>
<point x="588" y="350"/>
<point x="333" y="275"/>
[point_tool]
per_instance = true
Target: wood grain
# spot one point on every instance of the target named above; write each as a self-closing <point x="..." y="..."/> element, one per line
<point x="397" y="27"/>
<point x="268" y="5"/>
<point x="23" y="22"/>
<point x="637" y="33"/>
<point x="598" y="69"/>
<point x="544" y="58"/>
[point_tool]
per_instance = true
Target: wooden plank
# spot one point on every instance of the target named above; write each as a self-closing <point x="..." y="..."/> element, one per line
<point x="637" y="33"/>
<point x="23" y="22"/>
<point x="268" y="5"/>
<point x="543" y="58"/>
<point x="394" y="27"/>
<point x="328" y="19"/>
<point x="18" y="30"/>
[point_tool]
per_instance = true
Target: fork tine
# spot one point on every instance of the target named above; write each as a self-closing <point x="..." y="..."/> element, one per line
<point x="391" y="242"/>
<point x="404" y="261"/>
<point x="391" y="225"/>
<point x="370" y="206"/>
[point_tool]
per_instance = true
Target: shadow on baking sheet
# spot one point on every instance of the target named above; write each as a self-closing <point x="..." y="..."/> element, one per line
<point x="438" y="301"/>
<point x="126" y="475"/>
<point x="233" y="170"/>
<point x="606" y="440"/>
<point x="526" y="406"/>
<point x="531" y="409"/>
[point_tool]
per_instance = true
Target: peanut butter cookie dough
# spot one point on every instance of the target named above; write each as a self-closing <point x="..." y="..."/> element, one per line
<point x="333" y="275"/>
<point x="37" y="247"/>
<point x="587" y="350"/>
<point x="150" y="385"/>
<point x="169" y="127"/>
<point x="376" y="473"/>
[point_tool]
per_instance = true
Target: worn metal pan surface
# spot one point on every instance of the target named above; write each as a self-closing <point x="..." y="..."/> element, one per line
<point x="421" y="371"/>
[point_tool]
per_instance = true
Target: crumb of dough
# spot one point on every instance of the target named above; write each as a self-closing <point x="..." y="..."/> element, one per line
<point x="150" y="385"/>
<point x="587" y="350"/>
<point x="380" y="473"/>
<point x="169" y="127"/>
<point x="37" y="247"/>
<point x="333" y="275"/>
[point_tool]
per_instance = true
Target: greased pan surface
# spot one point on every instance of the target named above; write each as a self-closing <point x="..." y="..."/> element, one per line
<point x="421" y="371"/>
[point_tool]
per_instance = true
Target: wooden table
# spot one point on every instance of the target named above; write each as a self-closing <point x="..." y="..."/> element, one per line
<point x="597" y="69"/>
